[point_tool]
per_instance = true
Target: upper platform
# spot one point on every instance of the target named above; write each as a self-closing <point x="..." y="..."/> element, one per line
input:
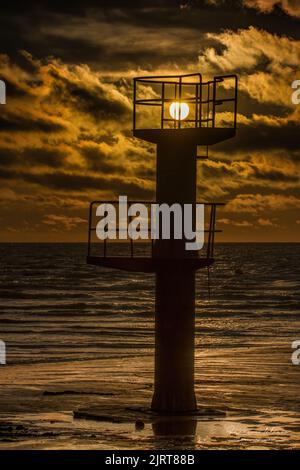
<point x="198" y="136"/>
<point x="184" y="106"/>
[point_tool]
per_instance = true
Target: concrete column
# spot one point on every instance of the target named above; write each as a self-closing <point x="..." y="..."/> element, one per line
<point x="175" y="286"/>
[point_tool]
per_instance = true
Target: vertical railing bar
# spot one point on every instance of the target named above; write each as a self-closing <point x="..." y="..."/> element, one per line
<point x="105" y="243"/>
<point x="90" y="229"/>
<point x="208" y="104"/>
<point x="130" y="217"/>
<point x="214" y="104"/>
<point x="162" y="104"/>
<point x="149" y="228"/>
<point x="209" y="233"/>
<point x="196" y="111"/>
<point x="213" y="233"/>
<point x="200" y="104"/>
<point x="134" y="103"/>
<point x="212" y="225"/>
<point x="175" y="102"/>
<point x="180" y="90"/>
<point x="235" y="104"/>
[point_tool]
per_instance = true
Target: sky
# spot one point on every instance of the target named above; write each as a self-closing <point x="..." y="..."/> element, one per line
<point x="65" y="132"/>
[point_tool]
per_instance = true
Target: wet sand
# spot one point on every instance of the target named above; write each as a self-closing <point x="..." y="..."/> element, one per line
<point x="248" y="399"/>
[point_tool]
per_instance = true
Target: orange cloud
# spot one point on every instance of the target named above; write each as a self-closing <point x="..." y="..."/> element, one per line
<point x="290" y="7"/>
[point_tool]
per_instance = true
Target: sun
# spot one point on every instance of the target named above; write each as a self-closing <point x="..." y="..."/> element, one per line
<point x="179" y="111"/>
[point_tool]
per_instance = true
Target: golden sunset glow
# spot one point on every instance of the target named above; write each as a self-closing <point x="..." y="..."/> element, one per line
<point x="66" y="129"/>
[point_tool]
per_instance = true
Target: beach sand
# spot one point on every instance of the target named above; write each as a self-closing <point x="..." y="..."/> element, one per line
<point x="93" y="405"/>
<point x="80" y="348"/>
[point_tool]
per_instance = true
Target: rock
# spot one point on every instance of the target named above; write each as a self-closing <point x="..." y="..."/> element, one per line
<point x="139" y="425"/>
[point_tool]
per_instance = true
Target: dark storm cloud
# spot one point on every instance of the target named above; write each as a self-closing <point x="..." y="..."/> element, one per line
<point x="32" y="157"/>
<point x="10" y="122"/>
<point x="263" y="138"/>
<point x="274" y="176"/>
<point x="254" y="171"/>
<point x="146" y="173"/>
<point x="72" y="49"/>
<point x="6" y="174"/>
<point x="108" y="138"/>
<point x="74" y="182"/>
<point x="14" y="90"/>
<point x="97" y="160"/>
<point x="41" y="28"/>
<point x="248" y="106"/>
<point x="95" y="102"/>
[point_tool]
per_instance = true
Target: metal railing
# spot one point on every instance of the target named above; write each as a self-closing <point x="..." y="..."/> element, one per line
<point x="210" y="239"/>
<point x="202" y="96"/>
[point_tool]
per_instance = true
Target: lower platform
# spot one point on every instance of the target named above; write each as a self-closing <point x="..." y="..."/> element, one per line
<point x="149" y="265"/>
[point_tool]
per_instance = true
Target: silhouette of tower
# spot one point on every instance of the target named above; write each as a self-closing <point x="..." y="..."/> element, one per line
<point x="177" y="113"/>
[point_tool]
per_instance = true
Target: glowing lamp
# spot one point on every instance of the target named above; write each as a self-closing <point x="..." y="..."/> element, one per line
<point x="179" y="111"/>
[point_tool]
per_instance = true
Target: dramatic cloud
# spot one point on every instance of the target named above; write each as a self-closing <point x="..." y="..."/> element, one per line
<point x="255" y="203"/>
<point x="290" y="7"/>
<point x="267" y="64"/>
<point x="65" y="133"/>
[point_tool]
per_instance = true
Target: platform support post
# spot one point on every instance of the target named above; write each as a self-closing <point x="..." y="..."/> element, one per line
<point x="175" y="286"/>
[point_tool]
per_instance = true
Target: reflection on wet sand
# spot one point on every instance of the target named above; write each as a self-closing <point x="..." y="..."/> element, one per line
<point x="182" y="428"/>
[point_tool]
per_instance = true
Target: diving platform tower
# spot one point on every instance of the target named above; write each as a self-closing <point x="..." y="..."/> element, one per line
<point x="177" y="113"/>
